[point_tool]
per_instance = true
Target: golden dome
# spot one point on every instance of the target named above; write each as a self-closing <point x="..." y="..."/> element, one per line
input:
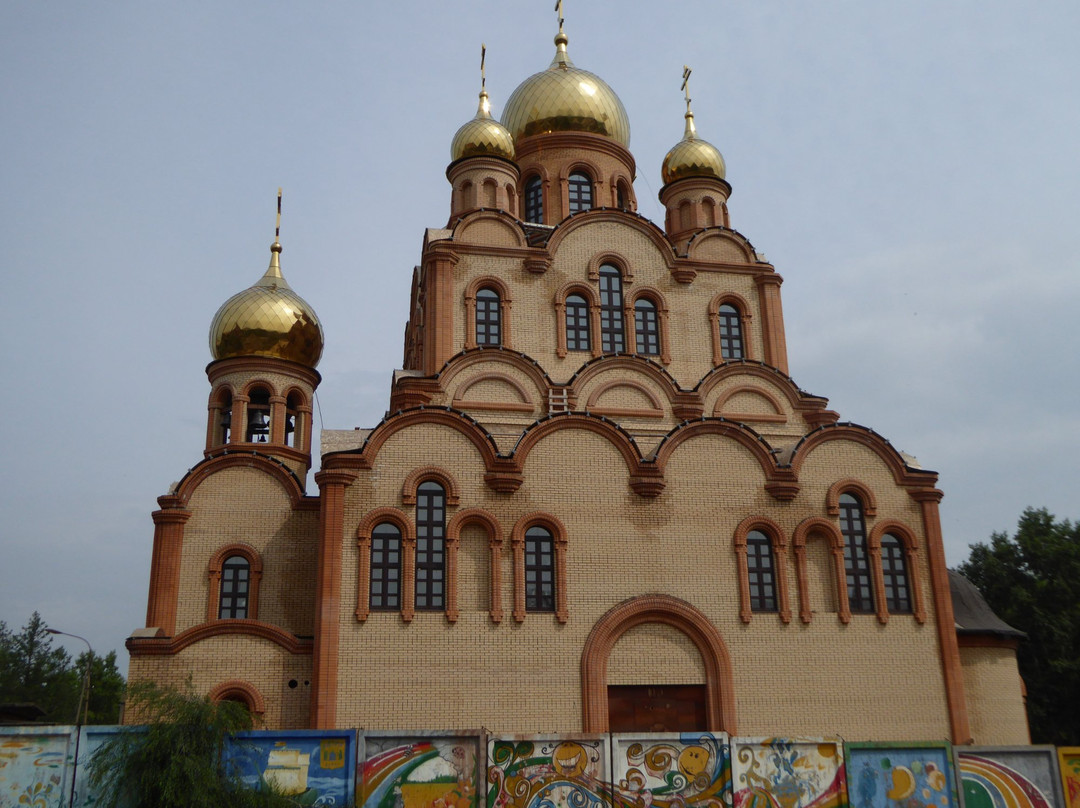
<point x="564" y="98"/>
<point x="692" y="157"/>
<point x="267" y="319"/>
<point x="483" y="136"/>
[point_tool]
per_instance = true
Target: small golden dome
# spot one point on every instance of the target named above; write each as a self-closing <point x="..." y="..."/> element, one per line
<point x="564" y="98"/>
<point x="267" y="319"/>
<point x="483" y="136"/>
<point x="692" y="157"/>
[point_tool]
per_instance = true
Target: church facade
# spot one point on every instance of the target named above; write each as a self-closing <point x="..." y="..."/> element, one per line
<point x="598" y="500"/>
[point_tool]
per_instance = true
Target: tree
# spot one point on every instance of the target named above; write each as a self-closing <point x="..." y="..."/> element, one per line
<point x="1032" y="582"/>
<point x="175" y="760"/>
<point x="32" y="670"/>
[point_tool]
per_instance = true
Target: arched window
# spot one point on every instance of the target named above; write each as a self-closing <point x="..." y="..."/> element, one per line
<point x="856" y="557"/>
<point x="577" y="324"/>
<point x="430" y="546"/>
<point x="539" y="570"/>
<point x="385" y="578"/>
<point x="292" y="421"/>
<point x="235" y="584"/>
<point x="579" y="192"/>
<point x="731" y="341"/>
<point x="646" y="328"/>
<point x="894" y="575"/>
<point x="622" y="196"/>
<point x="534" y="200"/>
<point x="611" y="310"/>
<point x="258" y="416"/>
<point x="223" y="426"/>
<point x="761" y="572"/>
<point x="488" y="320"/>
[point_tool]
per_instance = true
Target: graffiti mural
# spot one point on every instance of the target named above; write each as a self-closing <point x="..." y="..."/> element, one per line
<point x="1016" y="777"/>
<point x="671" y="770"/>
<point x="887" y="775"/>
<point x="421" y="770"/>
<point x="788" y="773"/>
<point x="313" y="767"/>
<point x="34" y="766"/>
<point x="566" y="771"/>
<point x="1069" y="763"/>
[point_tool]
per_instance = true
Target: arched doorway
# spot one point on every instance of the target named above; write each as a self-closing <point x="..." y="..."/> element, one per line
<point x="711" y="703"/>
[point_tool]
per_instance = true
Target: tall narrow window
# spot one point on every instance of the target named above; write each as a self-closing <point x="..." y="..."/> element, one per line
<point x="539" y="570"/>
<point x="856" y="559"/>
<point x="534" y="200"/>
<point x="579" y="188"/>
<point x="611" y="310"/>
<point x="577" y="323"/>
<point x="235" y="580"/>
<point x="430" y="546"/>
<point x="894" y="574"/>
<point x="224" y="424"/>
<point x="385" y="568"/>
<point x="488" y="318"/>
<point x="731" y="341"/>
<point x="761" y="572"/>
<point x="292" y="416"/>
<point x="646" y="328"/>
<point x="258" y="417"/>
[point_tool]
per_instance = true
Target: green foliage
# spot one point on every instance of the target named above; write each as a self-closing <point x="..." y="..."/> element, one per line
<point x="176" y="759"/>
<point x="32" y="670"/>
<point x="1032" y="582"/>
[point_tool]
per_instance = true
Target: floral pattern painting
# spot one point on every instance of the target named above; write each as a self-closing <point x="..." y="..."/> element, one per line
<point x="548" y="772"/>
<point x="788" y="773"/>
<point x="34" y="770"/>
<point x="671" y="770"/>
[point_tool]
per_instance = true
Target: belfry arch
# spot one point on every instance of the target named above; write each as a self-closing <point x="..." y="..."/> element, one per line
<point x="670" y="611"/>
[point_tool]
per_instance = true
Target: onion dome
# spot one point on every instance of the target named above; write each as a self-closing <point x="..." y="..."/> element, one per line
<point x="692" y="157"/>
<point x="268" y="319"/>
<point x="483" y="136"/>
<point x="564" y="98"/>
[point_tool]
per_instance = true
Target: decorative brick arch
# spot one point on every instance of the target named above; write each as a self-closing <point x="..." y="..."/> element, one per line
<point x="657" y="608"/>
<point x="255" y="568"/>
<point x="517" y="544"/>
<point x="745" y="315"/>
<point x="576" y="287"/>
<point x="241" y="691"/>
<point x="846" y="486"/>
<point x="820" y="526"/>
<point x="780" y="556"/>
<point x="408" y="560"/>
<point x="656" y="297"/>
<point x="425" y="474"/>
<point x="463" y="519"/>
<point x="505" y="305"/>
<point x="911" y="562"/>
<point x="614" y="259"/>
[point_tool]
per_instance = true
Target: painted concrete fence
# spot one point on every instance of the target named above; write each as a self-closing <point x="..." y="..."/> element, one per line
<point x="40" y="765"/>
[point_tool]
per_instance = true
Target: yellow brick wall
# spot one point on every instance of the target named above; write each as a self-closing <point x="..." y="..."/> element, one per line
<point x="994" y="694"/>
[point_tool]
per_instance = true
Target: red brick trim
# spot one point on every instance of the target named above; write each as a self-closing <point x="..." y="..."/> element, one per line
<point x="818" y="526"/>
<point x="164" y="594"/>
<point x="240" y="459"/>
<point x="772" y="320"/>
<point x="422" y="475"/>
<point x="587" y="292"/>
<point x="525" y="404"/>
<point x="779" y="416"/>
<point x="505" y="305"/>
<point x="656" y="409"/>
<point x="395" y="423"/>
<point x="168" y="646"/>
<point x="657" y="298"/>
<point x="255" y="565"/>
<point x="911" y="563"/>
<point x="909" y="478"/>
<point x="239" y="690"/>
<point x="617" y="260"/>
<point x="779" y="548"/>
<point x="745" y="316"/>
<point x="664" y="248"/>
<point x="363" y="540"/>
<point x="657" y="608"/>
<point x="847" y="486"/>
<point x="616" y="437"/>
<point x="517" y="544"/>
<point x="727" y="429"/>
<point x="478" y="516"/>
<point x="632" y="365"/>
<point x="464" y="361"/>
<point x="811" y="407"/>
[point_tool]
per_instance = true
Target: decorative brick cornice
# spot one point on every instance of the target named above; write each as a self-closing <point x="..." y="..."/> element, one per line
<point x="168" y="646"/>
<point x="170" y="517"/>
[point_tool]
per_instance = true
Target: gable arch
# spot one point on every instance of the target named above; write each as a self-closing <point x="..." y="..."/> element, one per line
<point x="425" y="473"/>
<point x="273" y="467"/>
<point x="522" y="362"/>
<point x="901" y="473"/>
<point x="740" y="433"/>
<point x="846" y="486"/>
<point x="807" y="529"/>
<point x="597" y="424"/>
<point x="524" y="402"/>
<point x="612" y="384"/>
<point x="442" y="416"/>
<point x="759" y="392"/>
<point x="670" y="611"/>
<point x="630" y="219"/>
<point x="733" y="245"/>
<point x="632" y="363"/>
<point x="507" y="225"/>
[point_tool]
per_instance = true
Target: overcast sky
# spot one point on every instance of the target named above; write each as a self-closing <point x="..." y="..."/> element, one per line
<point x="911" y="169"/>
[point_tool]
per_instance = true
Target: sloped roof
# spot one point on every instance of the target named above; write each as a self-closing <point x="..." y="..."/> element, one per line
<point x="972" y="614"/>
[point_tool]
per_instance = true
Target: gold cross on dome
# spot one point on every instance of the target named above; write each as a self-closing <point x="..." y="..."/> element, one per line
<point x="686" y="71"/>
<point x="558" y="10"/>
<point x="277" y="226"/>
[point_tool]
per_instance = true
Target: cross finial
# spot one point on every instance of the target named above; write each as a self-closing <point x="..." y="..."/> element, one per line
<point x="558" y="10"/>
<point x="277" y="226"/>
<point x="686" y="71"/>
<point x="483" y="55"/>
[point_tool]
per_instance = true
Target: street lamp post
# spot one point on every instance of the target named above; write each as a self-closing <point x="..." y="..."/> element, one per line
<point x="83" y="706"/>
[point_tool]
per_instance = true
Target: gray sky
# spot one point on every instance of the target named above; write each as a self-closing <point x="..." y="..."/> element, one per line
<point x="911" y="169"/>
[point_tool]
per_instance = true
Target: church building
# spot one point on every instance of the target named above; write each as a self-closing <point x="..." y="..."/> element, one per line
<point x="598" y="500"/>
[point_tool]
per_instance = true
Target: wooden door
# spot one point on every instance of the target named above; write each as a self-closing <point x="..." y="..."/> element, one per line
<point x="656" y="708"/>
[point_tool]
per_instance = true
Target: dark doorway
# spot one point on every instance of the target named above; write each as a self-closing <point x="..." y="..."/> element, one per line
<point x="656" y="708"/>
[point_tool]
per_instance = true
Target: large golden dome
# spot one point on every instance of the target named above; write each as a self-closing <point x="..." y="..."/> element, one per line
<point x="268" y="319"/>
<point x="483" y="136"/>
<point x="564" y="98"/>
<point x="692" y="157"/>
